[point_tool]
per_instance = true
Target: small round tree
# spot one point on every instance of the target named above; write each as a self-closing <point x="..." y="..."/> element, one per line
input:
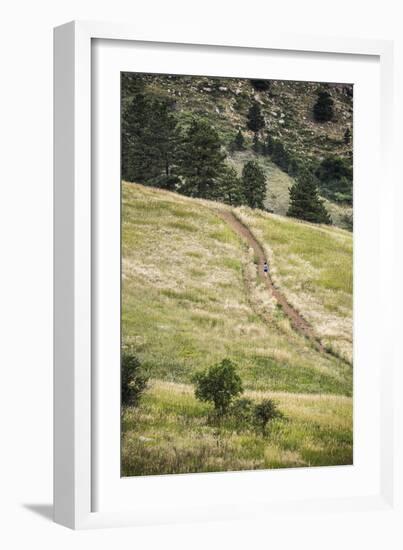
<point x="265" y="412"/>
<point x="218" y="385"/>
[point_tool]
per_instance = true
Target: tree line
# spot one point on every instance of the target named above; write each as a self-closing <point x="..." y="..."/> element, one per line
<point x="190" y="159"/>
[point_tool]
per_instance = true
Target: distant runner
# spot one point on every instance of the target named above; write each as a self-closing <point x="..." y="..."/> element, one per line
<point x="265" y="268"/>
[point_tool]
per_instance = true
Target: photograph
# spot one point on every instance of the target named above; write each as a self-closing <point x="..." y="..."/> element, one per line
<point x="236" y="274"/>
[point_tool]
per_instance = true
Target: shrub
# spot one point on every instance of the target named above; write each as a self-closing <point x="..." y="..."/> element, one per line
<point x="133" y="380"/>
<point x="265" y="412"/>
<point x="242" y="410"/>
<point x="218" y="385"/>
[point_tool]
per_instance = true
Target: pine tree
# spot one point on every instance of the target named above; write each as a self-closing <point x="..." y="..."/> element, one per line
<point x="280" y="156"/>
<point x="269" y="145"/>
<point x="254" y="184"/>
<point x="230" y="189"/>
<point x="239" y="141"/>
<point x="201" y="161"/>
<point x="255" y="120"/>
<point x="323" y="108"/>
<point x="162" y="140"/>
<point x="149" y="134"/>
<point x="134" y="118"/>
<point x="257" y="145"/>
<point x="293" y="168"/>
<point x="305" y="202"/>
<point x="260" y="85"/>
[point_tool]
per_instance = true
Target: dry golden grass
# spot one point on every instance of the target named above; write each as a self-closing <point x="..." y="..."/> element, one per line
<point x="313" y="267"/>
<point x="171" y="433"/>
<point x="191" y="297"/>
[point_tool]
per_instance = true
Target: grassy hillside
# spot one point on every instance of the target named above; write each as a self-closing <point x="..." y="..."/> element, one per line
<point x="313" y="266"/>
<point x="191" y="297"/>
<point x="169" y="434"/>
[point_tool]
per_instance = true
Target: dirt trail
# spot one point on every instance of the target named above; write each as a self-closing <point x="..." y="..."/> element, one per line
<point x="298" y="323"/>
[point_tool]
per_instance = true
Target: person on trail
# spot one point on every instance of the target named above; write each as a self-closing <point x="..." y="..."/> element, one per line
<point x="265" y="268"/>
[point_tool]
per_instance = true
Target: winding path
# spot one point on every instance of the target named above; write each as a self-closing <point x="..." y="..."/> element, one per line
<point x="298" y="323"/>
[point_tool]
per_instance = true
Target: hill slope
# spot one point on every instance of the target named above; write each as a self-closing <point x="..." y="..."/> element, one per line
<point x="186" y="304"/>
<point x="287" y="110"/>
<point x="191" y="296"/>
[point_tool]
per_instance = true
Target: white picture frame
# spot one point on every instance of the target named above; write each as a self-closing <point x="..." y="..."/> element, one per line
<point x="80" y="423"/>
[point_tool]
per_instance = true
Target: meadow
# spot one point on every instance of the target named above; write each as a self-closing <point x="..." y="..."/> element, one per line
<point x="191" y="296"/>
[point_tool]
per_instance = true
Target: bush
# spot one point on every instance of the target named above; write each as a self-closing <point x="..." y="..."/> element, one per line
<point x="265" y="412"/>
<point x="133" y="380"/>
<point x="218" y="385"/>
<point x="242" y="410"/>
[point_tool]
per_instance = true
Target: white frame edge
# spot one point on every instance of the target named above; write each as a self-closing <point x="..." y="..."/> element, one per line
<point x="72" y="252"/>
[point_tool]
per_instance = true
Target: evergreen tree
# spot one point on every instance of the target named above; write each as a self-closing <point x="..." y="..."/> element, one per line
<point x="201" y="161"/>
<point x="280" y="156"/>
<point x="134" y="118"/>
<point x="293" y="168"/>
<point x="260" y="85"/>
<point x="255" y="120"/>
<point x="305" y="202"/>
<point x="230" y="188"/>
<point x="335" y="179"/>
<point x="149" y="135"/>
<point x="254" y="184"/>
<point x="239" y="141"/>
<point x="323" y="108"/>
<point x="269" y="145"/>
<point x="257" y="145"/>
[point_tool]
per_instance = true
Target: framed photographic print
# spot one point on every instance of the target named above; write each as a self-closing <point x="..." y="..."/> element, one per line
<point x="222" y="344"/>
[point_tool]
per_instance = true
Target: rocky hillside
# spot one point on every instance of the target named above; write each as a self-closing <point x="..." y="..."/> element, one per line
<point x="290" y="139"/>
<point x="287" y="108"/>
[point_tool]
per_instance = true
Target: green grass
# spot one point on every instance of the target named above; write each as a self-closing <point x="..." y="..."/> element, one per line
<point x="191" y="297"/>
<point x="178" y="323"/>
<point x="278" y="188"/>
<point x="313" y="266"/>
<point x="171" y="432"/>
